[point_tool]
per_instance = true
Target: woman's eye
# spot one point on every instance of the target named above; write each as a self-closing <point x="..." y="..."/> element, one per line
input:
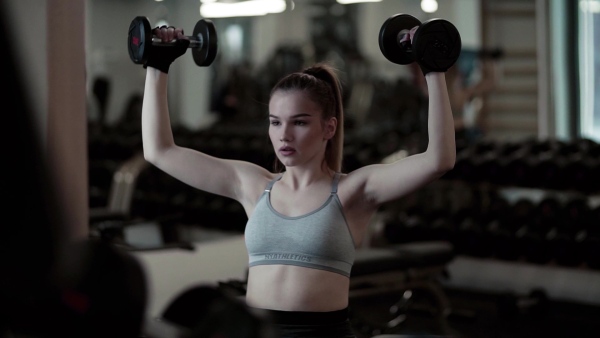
<point x="300" y="123"/>
<point x="274" y="123"/>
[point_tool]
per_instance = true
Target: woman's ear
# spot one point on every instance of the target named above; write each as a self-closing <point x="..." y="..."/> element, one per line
<point x="330" y="128"/>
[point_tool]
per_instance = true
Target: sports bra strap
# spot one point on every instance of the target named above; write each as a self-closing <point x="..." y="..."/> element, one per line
<point x="270" y="185"/>
<point x="334" y="184"/>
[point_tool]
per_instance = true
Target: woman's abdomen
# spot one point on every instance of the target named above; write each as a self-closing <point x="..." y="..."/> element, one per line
<point x="294" y="288"/>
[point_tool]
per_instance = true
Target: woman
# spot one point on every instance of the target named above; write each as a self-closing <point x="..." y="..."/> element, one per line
<point x="305" y="221"/>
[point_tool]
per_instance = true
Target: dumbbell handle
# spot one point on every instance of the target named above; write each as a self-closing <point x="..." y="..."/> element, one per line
<point x="405" y="45"/>
<point x="195" y="42"/>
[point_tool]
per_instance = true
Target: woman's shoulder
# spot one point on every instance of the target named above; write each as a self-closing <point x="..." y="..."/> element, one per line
<point x="263" y="178"/>
<point x="350" y="183"/>
<point x="352" y="193"/>
<point x="253" y="186"/>
<point x="354" y="184"/>
<point x="355" y="176"/>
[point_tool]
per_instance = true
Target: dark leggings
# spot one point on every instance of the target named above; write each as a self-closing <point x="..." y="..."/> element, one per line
<point x="297" y="324"/>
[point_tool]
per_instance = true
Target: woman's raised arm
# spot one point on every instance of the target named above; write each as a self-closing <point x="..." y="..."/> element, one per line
<point x="230" y="178"/>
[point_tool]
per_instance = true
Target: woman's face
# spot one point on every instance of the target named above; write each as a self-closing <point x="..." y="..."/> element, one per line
<point x="297" y="131"/>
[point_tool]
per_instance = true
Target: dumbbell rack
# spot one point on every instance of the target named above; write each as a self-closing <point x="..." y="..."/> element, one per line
<point x="545" y="232"/>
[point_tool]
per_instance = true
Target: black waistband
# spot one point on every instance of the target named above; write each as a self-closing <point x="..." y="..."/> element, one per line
<point x="307" y="318"/>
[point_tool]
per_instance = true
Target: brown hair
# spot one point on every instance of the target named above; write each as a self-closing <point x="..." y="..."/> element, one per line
<point x="321" y="83"/>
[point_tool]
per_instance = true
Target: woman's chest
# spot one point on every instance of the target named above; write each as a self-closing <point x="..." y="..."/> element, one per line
<point x="298" y="204"/>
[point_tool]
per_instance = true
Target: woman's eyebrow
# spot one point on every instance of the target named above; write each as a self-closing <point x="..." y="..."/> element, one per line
<point x="293" y="116"/>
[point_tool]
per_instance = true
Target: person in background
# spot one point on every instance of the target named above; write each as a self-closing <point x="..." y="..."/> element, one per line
<point x="467" y="86"/>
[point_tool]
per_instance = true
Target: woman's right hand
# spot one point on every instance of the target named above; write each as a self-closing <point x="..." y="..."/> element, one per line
<point x="169" y="33"/>
<point x="162" y="56"/>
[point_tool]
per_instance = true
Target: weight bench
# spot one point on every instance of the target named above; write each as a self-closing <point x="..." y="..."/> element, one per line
<point x="109" y="223"/>
<point x="403" y="268"/>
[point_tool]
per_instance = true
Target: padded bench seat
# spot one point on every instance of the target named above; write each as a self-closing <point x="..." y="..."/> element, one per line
<point x="402" y="257"/>
<point x="397" y="270"/>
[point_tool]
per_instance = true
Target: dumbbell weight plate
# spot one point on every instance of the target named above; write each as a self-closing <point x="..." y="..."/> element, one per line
<point x="206" y="34"/>
<point x="139" y="39"/>
<point x="436" y="45"/>
<point x="389" y="37"/>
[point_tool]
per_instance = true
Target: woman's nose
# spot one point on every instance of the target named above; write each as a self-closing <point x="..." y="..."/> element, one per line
<point x="286" y="135"/>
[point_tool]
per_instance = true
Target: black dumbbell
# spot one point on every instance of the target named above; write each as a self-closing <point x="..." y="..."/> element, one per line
<point x="208" y="311"/>
<point x="579" y="172"/>
<point x="474" y="239"/>
<point x="504" y="240"/>
<point x="141" y="43"/>
<point x="436" y="44"/>
<point x="534" y="305"/>
<point x="591" y="243"/>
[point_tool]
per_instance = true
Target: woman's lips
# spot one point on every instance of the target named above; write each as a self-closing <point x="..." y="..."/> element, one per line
<point x="287" y="151"/>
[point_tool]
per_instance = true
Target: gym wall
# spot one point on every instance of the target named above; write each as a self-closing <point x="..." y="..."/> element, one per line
<point x="189" y="91"/>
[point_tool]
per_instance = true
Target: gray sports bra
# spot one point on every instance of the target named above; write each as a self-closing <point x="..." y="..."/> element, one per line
<point x="320" y="239"/>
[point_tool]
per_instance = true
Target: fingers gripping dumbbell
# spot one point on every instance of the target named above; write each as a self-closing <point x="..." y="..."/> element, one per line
<point x="141" y="42"/>
<point x="435" y="46"/>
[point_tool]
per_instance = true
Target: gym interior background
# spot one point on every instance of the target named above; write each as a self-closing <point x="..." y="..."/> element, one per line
<point x="521" y="207"/>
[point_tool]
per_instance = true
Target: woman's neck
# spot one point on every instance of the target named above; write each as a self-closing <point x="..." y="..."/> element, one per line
<point x="298" y="178"/>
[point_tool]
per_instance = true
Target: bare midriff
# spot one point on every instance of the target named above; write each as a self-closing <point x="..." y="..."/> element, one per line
<point x="295" y="288"/>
